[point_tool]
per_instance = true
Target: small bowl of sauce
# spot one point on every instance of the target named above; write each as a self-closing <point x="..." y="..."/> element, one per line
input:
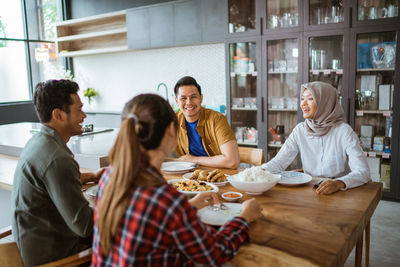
<point x="232" y="196"/>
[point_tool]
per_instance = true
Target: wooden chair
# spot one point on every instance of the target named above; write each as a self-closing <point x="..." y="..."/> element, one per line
<point x="10" y="256"/>
<point x="254" y="156"/>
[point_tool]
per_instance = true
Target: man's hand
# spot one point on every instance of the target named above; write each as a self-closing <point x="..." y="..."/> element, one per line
<point x="92" y="176"/>
<point x="188" y="157"/>
<point x="202" y="200"/>
<point x="330" y="186"/>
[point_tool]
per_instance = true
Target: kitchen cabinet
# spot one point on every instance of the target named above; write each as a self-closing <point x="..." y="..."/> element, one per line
<point x="92" y="35"/>
<point x="353" y="45"/>
<point x="176" y="23"/>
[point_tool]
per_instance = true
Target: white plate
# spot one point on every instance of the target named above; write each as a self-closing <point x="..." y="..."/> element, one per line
<point x="209" y="216"/>
<point x="186" y="176"/>
<point x="191" y="193"/>
<point x="177" y="167"/>
<point x="290" y="178"/>
<point x="92" y="191"/>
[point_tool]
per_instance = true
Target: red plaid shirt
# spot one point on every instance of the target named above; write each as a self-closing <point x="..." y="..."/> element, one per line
<point x="161" y="228"/>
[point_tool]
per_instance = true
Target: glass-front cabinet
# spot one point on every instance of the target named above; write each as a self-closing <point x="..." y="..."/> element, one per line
<point x="377" y="9"/>
<point x="282" y="61"/>
<point x="374" y="93"/>
<point x="325" y="60"/>
<point x="282" y="14"/>
<point x="326" y="12"/>
<point x="242" y="16"/>
<point x="244" y="92"/>
<point x="273" y="46"/>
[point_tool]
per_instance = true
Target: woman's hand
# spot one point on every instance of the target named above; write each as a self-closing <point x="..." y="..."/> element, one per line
<point x="87" y="177"/>
<point x="251" y="210"/>
<point x="328" y="187"/>
<point x="202" y="200"/>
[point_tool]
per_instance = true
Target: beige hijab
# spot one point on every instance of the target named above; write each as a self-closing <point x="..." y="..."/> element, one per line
<point x="329" y="112"/>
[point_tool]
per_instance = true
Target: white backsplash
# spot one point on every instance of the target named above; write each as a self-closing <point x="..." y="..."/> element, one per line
<point x="120" y="76"/>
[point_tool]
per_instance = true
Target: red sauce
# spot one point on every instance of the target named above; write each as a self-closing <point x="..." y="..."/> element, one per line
<point x="232" y="195"/>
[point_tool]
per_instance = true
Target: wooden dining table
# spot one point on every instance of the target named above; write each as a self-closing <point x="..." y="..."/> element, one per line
<point x="303" y="228"/>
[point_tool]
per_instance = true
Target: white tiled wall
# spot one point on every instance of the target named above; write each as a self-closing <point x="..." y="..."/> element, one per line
<point x="120" y="76"/>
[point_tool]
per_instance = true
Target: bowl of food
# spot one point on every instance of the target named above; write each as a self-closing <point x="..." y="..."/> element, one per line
<point x="254" y="181"/>
<point x="216" y="177"/>
<point x="231" y="196"/>
<point x="191" y="187"/>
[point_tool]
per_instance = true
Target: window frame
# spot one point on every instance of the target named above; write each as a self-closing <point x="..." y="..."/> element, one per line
<point x="61" y="6"/>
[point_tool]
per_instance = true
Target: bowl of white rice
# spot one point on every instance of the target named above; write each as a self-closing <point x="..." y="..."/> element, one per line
<point x="254" y="180"/>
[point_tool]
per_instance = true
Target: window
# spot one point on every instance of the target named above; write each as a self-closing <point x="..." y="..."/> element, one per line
<point x="27" y="49"/>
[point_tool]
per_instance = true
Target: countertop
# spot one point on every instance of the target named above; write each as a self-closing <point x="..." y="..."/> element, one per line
<point x="91" y="151"/>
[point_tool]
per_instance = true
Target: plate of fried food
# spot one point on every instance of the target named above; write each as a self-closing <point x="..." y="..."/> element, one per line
<point x="216" y="177"/>
<point x="192" y="187"/>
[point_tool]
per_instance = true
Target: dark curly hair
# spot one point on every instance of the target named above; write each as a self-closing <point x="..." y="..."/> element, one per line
<point x="53" y="94"/>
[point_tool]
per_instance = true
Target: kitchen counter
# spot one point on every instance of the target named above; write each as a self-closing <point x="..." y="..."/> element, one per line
<point x="91" y="151"/>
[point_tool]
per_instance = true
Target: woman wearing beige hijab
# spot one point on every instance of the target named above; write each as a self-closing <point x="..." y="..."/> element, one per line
<point x="328" y="146"/>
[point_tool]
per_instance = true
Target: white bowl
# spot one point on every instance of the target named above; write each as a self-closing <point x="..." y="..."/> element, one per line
<point x="192" y="193"/>
<point x="253" y="188"/>
<point x="225" y="196"/>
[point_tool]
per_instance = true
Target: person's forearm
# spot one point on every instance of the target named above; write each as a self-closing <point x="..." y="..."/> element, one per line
<point x="219" y="161"/>
<point x="86" y="177"/>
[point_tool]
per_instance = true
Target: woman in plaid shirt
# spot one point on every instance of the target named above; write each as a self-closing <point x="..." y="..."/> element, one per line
<point x="139" y="219"/>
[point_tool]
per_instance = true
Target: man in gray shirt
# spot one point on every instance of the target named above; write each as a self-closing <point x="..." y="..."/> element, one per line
<point x="50" y="213"/>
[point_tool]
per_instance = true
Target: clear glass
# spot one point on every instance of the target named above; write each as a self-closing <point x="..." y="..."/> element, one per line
<point x="326" y="59"/>
<point x="282" y="71"/>
<point x="243" y="83"/>
<point x="14" y="85"/>
<point x="376" y="56"/>
<point x="326" y="12"/>
<point x="242" y="15"/>
<point x="11" y="22"/>
<point x="48" y="17"/>
<point x="377" y="9"/>
<point x="44" y="63"/>
<point x="282" y="14"/>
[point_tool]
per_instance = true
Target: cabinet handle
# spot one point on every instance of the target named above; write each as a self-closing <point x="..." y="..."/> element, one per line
<point x="262" y="109"/>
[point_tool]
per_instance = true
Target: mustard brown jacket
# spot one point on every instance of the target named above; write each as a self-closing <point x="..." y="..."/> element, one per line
<point x="213" y="128"/>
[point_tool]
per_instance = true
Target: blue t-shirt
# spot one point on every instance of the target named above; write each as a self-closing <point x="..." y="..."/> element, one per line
<point x="195" y="144"/>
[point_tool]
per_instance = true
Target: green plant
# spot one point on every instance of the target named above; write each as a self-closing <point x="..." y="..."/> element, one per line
<point x="89" y="93"/>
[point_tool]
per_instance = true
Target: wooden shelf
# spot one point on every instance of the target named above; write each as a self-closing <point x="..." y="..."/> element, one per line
<point x="283" y="72"/>
<point x="243" y="74"/>
<point x="282" y="109"/>
<point x="104" y="33"/>
<point x="378" y="153"/>
<point x="245" y="109"/>
<point x="373" y="111"/>
<point x="383" y="69"/>
<point x="93" y="51"/>
<point x="328" y="71"/>
<point x="91" y="35"/>
<point x="247" y="144"/>
<point x="275" y="145"/>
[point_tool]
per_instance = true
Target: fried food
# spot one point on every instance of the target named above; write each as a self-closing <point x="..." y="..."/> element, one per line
<point x="203" y="176"/>
<point x="215" y="176"/>
<point x="195" y="175"/>
<point x="212" y="174"/>
<point x="219" y="177"/>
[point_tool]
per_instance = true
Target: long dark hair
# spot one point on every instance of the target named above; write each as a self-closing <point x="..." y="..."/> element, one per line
<point x="144" y="121"/>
